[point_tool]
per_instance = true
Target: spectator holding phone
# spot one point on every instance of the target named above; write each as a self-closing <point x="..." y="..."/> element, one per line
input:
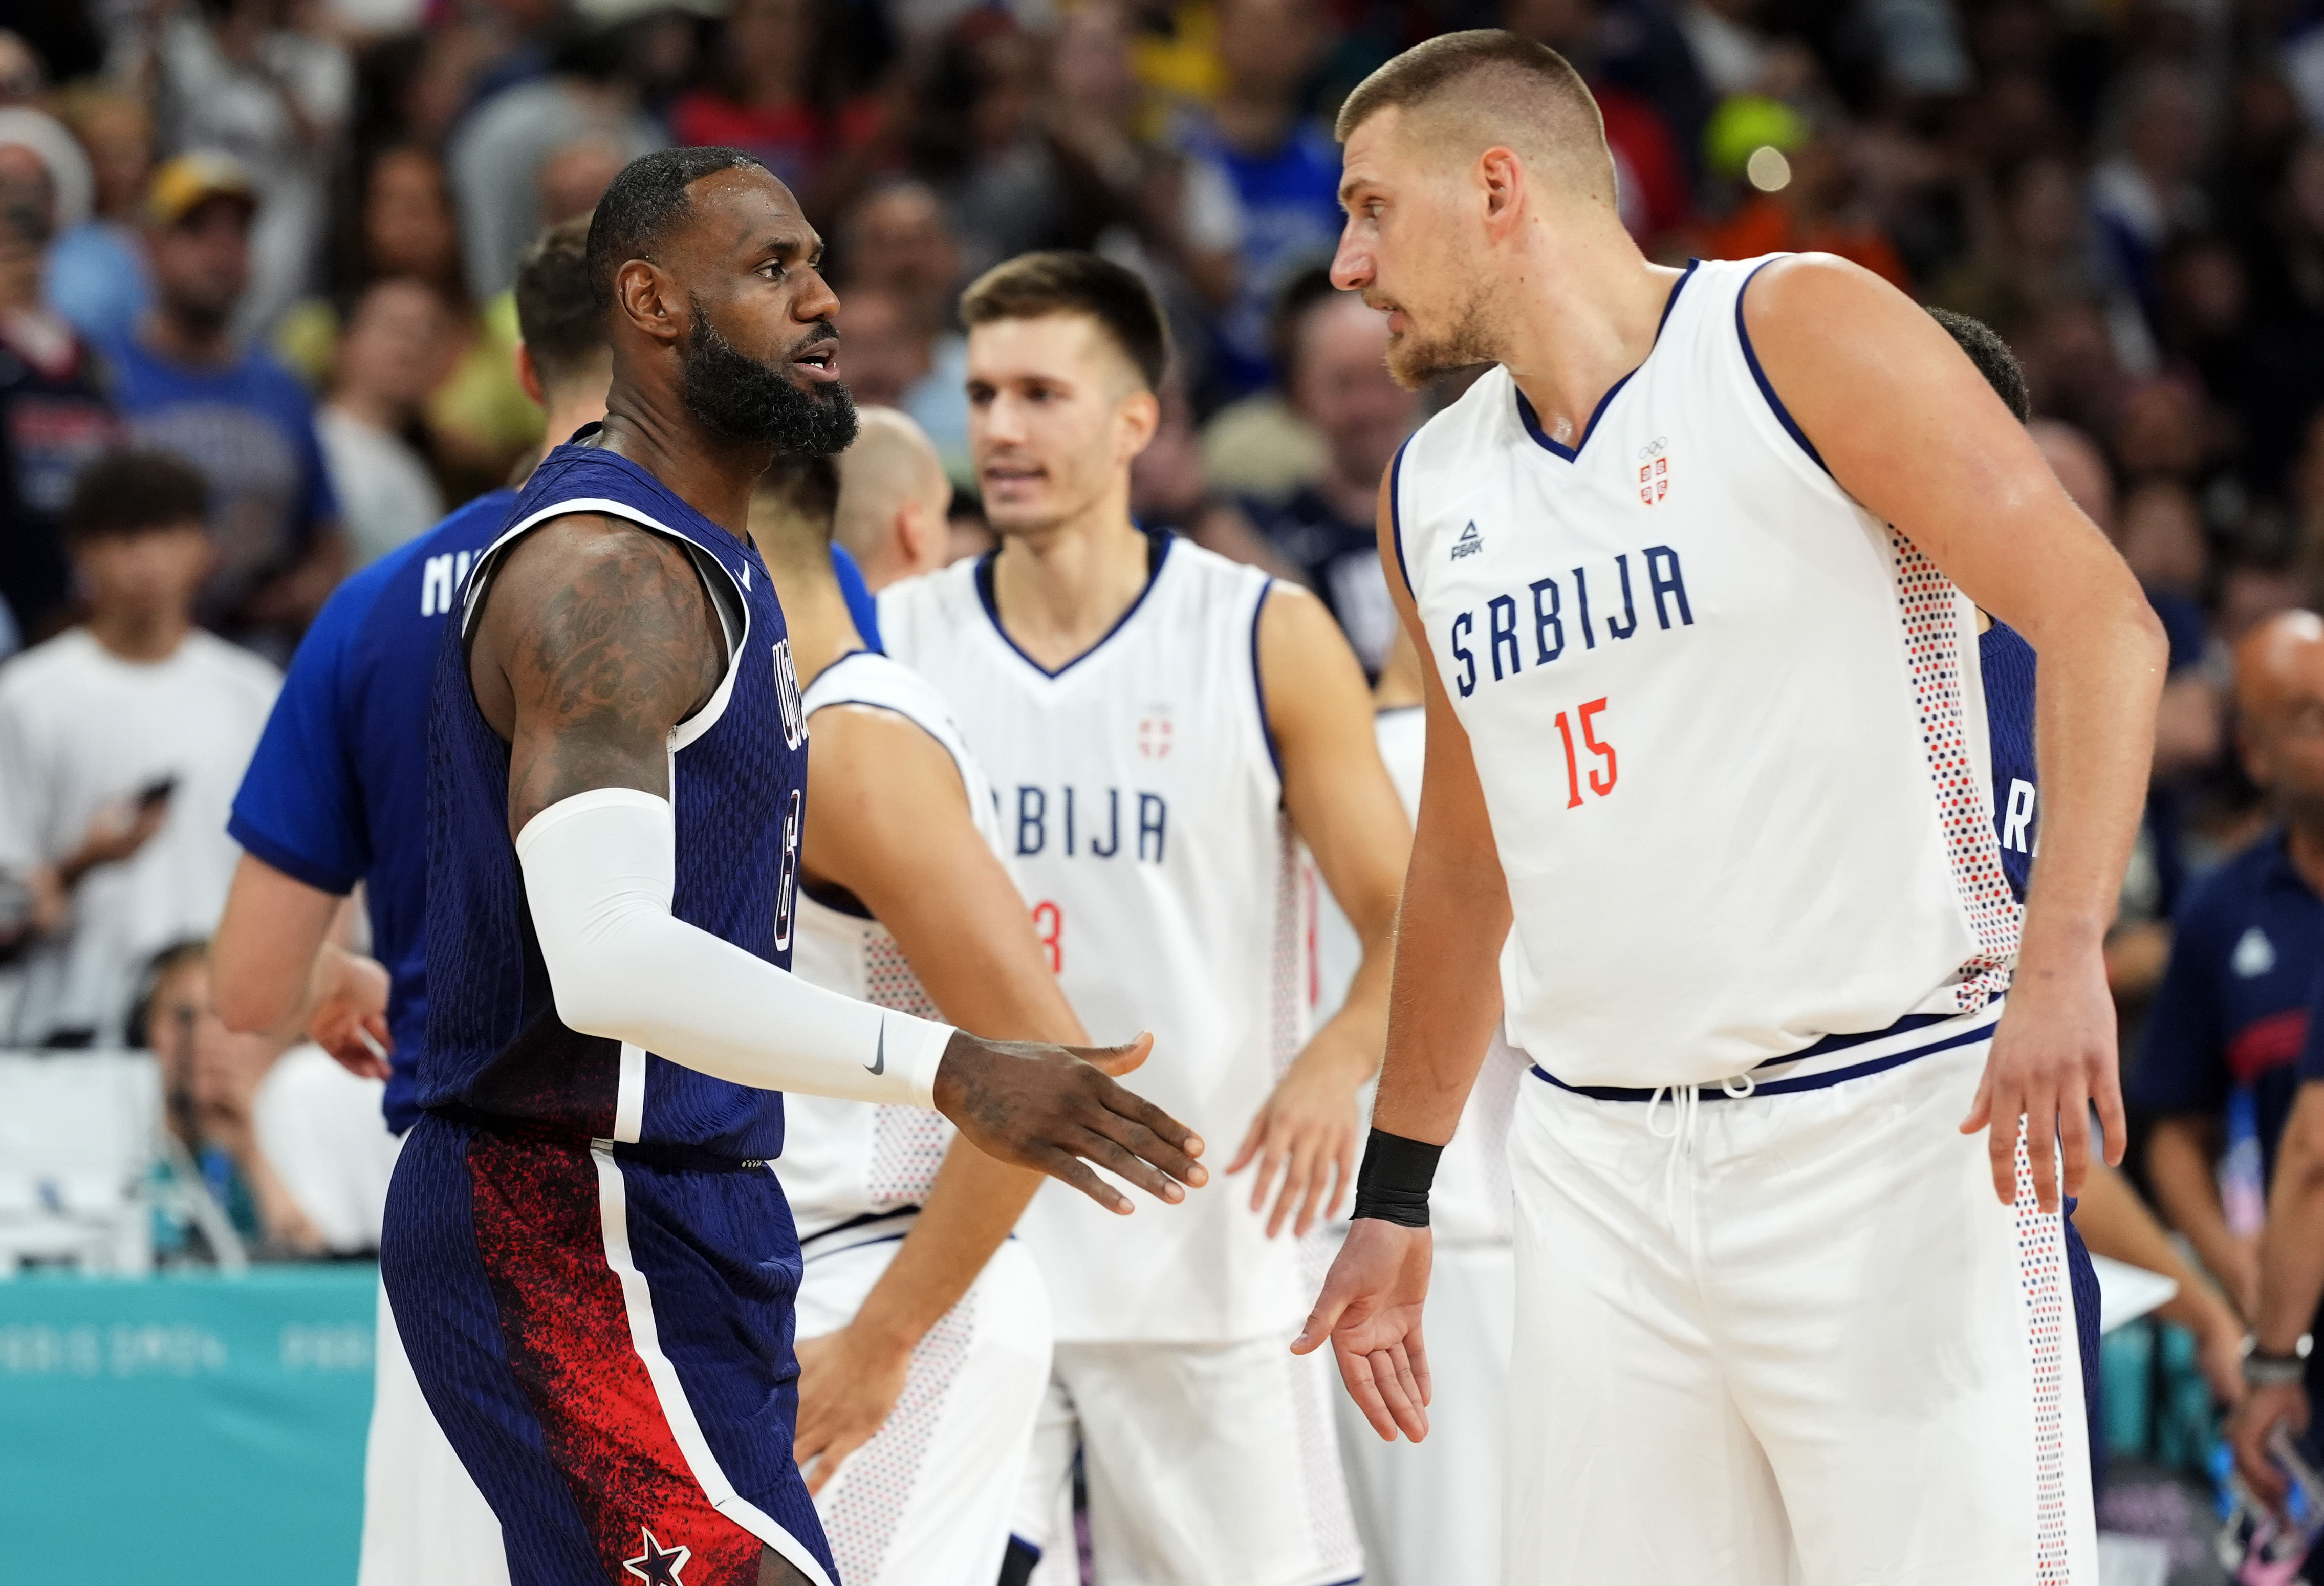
<point x="121" y="743"/>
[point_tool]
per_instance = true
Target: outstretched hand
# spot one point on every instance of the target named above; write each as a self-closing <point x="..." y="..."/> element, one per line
<point x="1370" y="1310"/>
<point x="1056" y="1110"/>
<point x="1308" y="1130"/>
<point x="2052" y="1057"/>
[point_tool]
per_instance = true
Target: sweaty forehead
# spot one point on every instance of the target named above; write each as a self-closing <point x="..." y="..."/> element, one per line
<point x="743" y="212"/>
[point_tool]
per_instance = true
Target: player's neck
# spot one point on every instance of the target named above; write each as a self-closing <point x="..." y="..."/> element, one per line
<point x="816" y="615"/>
<point x="1060" y="590"/>
<point x="1569" y="345"/>
<point x="714" y="476"/>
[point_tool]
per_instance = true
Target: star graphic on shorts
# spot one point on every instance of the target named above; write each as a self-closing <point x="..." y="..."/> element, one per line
<point x="655" y="1567"/>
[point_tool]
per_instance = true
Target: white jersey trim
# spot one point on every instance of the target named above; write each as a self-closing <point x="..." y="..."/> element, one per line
<point x="645" y="1339"/>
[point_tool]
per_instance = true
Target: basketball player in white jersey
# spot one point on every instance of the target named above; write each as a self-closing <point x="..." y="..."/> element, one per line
<point x="1431" y="1512"/>
<point x="924" y="1355"/>
<point x="1165" y="727"/>
<point x="1706" y="745"/>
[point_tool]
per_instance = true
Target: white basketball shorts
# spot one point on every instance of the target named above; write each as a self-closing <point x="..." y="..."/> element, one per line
<point x="927" y="1500"/>
<point x="1207" y="1465"/>
<point x="423" y="1517"/>
<point x="1790" y="1340"/>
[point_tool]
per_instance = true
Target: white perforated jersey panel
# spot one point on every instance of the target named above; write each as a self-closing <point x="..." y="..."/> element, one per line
<point x="1694" y="673"/>
<point x="1141" y="805"/>
<point x="847" y="1160"/>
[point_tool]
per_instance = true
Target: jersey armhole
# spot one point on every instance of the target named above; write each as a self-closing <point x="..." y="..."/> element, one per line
<point x="1258" y="684"/>
<point x="1767" y="390"/>
<point x="1396" y="515"/>
<point x="726" y="598"/>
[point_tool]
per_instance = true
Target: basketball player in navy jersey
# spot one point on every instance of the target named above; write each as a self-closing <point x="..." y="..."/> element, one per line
<point x="1705" y="745"/>
<point x="591" y="1263"/>
<point x="336" y="793"/>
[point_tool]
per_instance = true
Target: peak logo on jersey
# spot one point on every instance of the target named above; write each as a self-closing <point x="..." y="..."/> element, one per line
<point x="1654" y="470"/>
<point x="1154" y="730"/>
<point x="1470" y="543"/>
<point x="656" y="1565"/>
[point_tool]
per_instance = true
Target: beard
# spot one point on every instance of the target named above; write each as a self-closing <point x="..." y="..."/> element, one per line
<point x="1414" y="360"/>
<point x="737" y="398"/>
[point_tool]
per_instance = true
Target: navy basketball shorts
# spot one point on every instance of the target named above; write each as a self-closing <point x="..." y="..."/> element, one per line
<point x="607" y="1345"/>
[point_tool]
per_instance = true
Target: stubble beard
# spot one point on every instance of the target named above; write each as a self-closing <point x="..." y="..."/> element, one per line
<point x="1414" y="360"/>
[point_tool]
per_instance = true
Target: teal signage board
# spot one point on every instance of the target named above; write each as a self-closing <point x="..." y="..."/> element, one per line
<point x="195" y="1430"/>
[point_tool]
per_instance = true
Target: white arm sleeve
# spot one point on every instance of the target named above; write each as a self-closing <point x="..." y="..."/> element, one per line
<point x="600" y="869"/>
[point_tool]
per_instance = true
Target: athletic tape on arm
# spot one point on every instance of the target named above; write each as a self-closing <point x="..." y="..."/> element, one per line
<point x="600" y="869"/>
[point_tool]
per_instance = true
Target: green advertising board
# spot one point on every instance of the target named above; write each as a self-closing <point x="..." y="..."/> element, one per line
<point x="199" y="1430"/>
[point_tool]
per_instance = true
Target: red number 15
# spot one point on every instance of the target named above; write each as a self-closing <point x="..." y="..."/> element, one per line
<point x="1600" y="784"/>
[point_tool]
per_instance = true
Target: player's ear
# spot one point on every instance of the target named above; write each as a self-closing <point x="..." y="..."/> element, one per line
<point x="528" y="377"/>
<point x="1500" y="177"/>
<point x="644" y="297"/>
<point x="1139" y="417"/>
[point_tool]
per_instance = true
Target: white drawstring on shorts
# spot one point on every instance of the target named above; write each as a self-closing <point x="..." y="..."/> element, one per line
<point x="1686" y="1107"/>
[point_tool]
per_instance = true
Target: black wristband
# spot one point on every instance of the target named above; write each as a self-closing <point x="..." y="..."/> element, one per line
<point x="1393" y="1183"/>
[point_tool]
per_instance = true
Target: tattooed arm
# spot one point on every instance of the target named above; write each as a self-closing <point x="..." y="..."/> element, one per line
<point x="596" y="638"/>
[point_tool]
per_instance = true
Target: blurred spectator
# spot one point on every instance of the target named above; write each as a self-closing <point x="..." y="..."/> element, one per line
<point x="22" y="77"/>
<point x="100" y="280"/>
<point x="776" y="88"/>
<point x="900" y="270"/>
<point x="1284" y="164"/>
<point x="2233" y="1006"/>
<point x="240" y="76"/>
<point x="53" y="416"/>
<point x="1339" y="383"/>
<point x="210" y="1080"/>
<point x="2162" y="538"/>
<point x="1811" y="202"/>
<point x="389" y="359"/>
<point x="1652" y="180"/>
<point x="478" y="420"/>
<point x="1169" y="489"/>
<point x="2080" y="468"/>
<point x="496" y="155"/>
<point x="2146" y="188"/>
<point x="2159" y="431"/>
<point x="975" y="138"/>
<point x="237" y="416"/>
<point x="121" y="743"/>
<point x="893" y="498"/>
<point x="2039" y="251"/>
<point x="1728" y="43"/>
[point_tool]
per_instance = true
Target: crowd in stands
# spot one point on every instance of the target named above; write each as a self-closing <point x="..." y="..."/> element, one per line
<point x="256" y="330"/>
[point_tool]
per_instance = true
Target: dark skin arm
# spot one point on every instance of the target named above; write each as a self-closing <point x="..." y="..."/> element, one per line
<point x="597" y="639"/>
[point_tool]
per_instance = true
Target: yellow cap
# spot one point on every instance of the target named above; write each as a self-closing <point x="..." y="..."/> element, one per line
<point x="191" y="179"/>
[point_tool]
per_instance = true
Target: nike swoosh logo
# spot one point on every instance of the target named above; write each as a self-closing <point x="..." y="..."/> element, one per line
<point x="879" y="1064"/>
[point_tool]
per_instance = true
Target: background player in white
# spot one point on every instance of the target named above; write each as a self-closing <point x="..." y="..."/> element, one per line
<point x="1771" y="1326"/>
<point x="924" y="1355"/>
<point x="1133" y="698"/>
<point x="892" y="499"/>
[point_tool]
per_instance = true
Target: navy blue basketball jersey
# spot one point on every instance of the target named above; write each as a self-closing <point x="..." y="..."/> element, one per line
<point x="2007" y="662"/>
<point x="738" y="780"/>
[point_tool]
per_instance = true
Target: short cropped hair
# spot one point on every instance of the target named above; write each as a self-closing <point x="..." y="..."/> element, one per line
<point x="1525" y="93"/>
<point x="557" y="309"/>
<point x="1034" y="286"/>
<point x="647" y="202"/>
<point x="122" y="493"/>
<point x="1993" y="358"/>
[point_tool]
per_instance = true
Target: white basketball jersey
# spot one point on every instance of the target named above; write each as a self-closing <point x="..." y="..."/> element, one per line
<point x="852" y="1163"/>
<point x="1140" y="802"/>
<point x="1729" y="725"/>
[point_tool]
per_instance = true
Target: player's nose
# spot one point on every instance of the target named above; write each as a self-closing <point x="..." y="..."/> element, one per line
<point x="1352" y="265"/>
<point x="816" y="299"/>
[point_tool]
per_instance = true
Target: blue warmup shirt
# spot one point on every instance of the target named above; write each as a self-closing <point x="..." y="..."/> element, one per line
<point x="2232" y="1012"/>
<point x="861" y="605"/>
<point x="338" y="790"/>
